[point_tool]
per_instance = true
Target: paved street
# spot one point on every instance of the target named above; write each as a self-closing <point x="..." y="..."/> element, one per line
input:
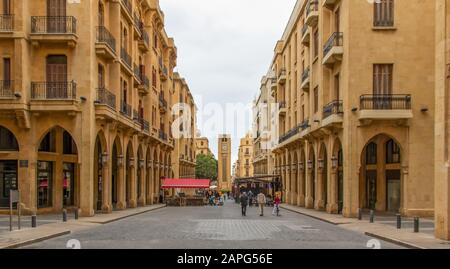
<point x="215" y="228"/>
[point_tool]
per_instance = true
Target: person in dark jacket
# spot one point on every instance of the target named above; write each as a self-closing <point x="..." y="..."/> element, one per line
<point x="244" y="203"/>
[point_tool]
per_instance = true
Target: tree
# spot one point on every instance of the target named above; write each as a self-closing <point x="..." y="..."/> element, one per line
<point x="206" y="167"/>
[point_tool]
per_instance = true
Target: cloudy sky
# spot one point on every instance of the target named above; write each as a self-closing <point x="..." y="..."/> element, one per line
<point x="224" y="48"/>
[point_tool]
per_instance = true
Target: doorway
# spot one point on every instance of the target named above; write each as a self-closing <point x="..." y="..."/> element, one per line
<point x="393" y="191"/>
<point x="8" y="177"/>
<point x="371" y="184"/>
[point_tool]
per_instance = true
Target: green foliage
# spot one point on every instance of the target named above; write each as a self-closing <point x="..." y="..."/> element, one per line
<point x="206" y="167"/>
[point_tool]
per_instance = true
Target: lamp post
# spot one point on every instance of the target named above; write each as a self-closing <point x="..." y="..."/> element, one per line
<point x="104" y="158"/>
<point x="334" y="162"/>
<point x="310" y="164"/>
<point x="321" y="163"/>
<point x="119" y="160"/>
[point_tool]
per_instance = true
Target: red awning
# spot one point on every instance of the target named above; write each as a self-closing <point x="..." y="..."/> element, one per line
<point x="185" y="183"/>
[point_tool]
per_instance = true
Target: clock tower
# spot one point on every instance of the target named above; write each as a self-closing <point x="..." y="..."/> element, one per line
<point x="224" y="163"/>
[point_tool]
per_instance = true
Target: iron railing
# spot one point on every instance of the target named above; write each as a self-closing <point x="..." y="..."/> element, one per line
<point x="53" y="25"/>
<point x="305" y="74"/>
<point x="313" y="5"/>
<point x="385" y="102"/>
<point x="127" y="5"/>
<point x="145" y="81"/>
<point x="104" y="36"/>
<point x="6" y="23"/>
<point x="335" y="40"/>
<point x="162" y="102"/>
<point x="125" y="109"/>
<point x="146" y="126"/>
<point x="145" y="37"/>
<point x="6" y="89"/>
<point x="162" y="135"/>
<point x="137" y="72"/>
<point x="333" y="108"/>
<point x="105" y="97"/>
<point x="138" y="23"/>
<point x="49" y="90"/>
<point x="126" y="58"/>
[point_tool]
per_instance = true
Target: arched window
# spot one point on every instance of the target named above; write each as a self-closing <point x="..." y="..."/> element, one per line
<point x="48" y="143"/>
<point x="392" y="152"/>
<point x="8" y="141"/>
<point x="371" y="153"/>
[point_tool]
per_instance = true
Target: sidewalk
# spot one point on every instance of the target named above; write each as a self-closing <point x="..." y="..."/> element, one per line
<point x="385" y="229"/>
<point x="26" y="236"/>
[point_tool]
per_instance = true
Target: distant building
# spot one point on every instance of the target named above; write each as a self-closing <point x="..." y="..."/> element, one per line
<point x="224" y="161"/>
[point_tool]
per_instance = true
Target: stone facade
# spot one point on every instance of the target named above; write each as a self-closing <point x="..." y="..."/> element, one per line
<point x="202" y="146"/>
<point x="442" y="136"/>
<point x="353" y="109"/>
<point x="244" y="164"/>
<point x="184" y="154"/>
<point x="85" y="96"/>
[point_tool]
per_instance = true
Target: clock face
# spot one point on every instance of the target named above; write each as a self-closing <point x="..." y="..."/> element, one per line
<point x="224" y="147"/>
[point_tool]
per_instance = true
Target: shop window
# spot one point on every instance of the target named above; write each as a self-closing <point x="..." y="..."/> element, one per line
<point x="44" y="184"/>
<point x="371" y="153"/>
<point x="69" y="146"/>
<point x="48" y="142"/>
<point x="392" y="152"/>
<point x="8" y="141"/>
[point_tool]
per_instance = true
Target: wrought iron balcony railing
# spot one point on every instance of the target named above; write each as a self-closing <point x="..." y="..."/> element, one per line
<point x="104" y="36"/>
<point x="6" y="23"/>
<point x="48" y="90"/>
<point x="127" y="5"/>
<point x="145" y="37"/>
<point x="53" y="25"/>
<point x="305" y="74"/>
<point x="6" y="89"/>
<point x="313" y="5"/>
<point x="333" y="108"/>
<point x="162" y="135"/>
<point x="126" y="58"/>
<point x="137" y="21"/>
<point x="335" y="40"/>
<point x="162" y="102"/>
<point x="385" y="102"/>
<point x="137" y="72"/>
<point x="125" y="109"/>
<point x="105" y="97"/>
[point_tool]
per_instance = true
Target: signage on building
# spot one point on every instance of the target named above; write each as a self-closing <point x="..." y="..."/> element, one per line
<point x="23" y="163"/>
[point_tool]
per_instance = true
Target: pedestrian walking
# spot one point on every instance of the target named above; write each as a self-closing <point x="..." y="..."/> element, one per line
<point x="250" y="198"/>
<point x="261" y="198"/>
<point x="244" y="202"/>
<point x="276" y="205"/>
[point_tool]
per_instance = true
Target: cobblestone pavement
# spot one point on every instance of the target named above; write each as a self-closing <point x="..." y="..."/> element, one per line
<point x="215" y="228"/>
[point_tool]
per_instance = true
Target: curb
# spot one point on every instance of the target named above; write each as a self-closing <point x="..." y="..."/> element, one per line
<point x="37" y="240"/>
<point x="127" y="216"/>
<point x="314" y="217"/>
<point x="394" y="241"/>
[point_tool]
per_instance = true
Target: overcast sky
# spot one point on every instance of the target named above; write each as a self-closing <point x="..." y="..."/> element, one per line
<point x="224" y="48"/>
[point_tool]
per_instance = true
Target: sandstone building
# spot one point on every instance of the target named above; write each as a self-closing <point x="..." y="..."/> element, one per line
<point x="224" y="162"/>
<point x="84" y="104"/>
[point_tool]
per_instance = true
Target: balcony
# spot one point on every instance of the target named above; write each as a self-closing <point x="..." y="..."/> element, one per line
<point x="164" y="73"/>
<point x="333" y="49"/>
<point x="138" y="25"/>
<point x="385" y="107"/>
<point x="282" y="76"/>
<point x="137" y="75"/>
<point x="306" y="35"/>
<point x="127" y="9"/>
<point x="6" y="23"/>
<point x="312" y="13"/>
<point x="144" y="42"/>
<point x="273" y="87"/>
<point x="125" y="109"/>
<point x="163" y="135"/>
<point x="294" y="132"/>
<point x="106" y="98"/>
<point x="61" y="30"/>
<point x="162" y="104"/>
<point x="282" y="108"/>
<point x="144" y="87"/>
<point x="7" y="89"/>
<point x="126" y="61"/>
<point x="306" y="79"/>
<point x="332" y="113"/>
<point x="54" y="96"/>
<point x="105" y="45"/>
<point x="330" y="4"/>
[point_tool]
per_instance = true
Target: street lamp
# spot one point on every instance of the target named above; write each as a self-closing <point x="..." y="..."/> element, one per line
<point x="334" y="161"/>
<point x="321" y="163"/>
<point x="141" y="163"/>
<point x="131" y="162"/>
<point x="104" y="158"/>
<point x="310" y="164"/>
<point x="119" y="160"/>
<point x="301" y="166"/>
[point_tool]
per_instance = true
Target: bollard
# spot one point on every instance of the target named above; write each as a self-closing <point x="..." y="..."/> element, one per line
<point x="64" y="215"/>
<point x="33" y="221"/>
<point x="416" y="225"/>
<point x="77" y="211"/>
<point x="359" y="214"/>
<point x="399" y="221"/>
<point x="372" y="216"/>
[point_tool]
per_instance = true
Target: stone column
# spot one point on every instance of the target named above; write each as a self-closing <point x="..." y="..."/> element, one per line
<point x="301" y="186"/>
<point x="319" y="203"/>
<point x="332" y="207"/>
<point x="309" y="203"/>
<point x="121" y="181"/>
<point x="294" y="180"/>
<point x="106" y="186"/>
<point x="133" y="185"/>
<point x="141" y="182"/>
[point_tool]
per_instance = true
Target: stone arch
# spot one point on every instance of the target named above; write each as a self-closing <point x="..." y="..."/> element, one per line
<point x="101" y="152"/>
<point x="57" y="170"/>
<point x="9" y="140"/>
<point x="140" y="181"/>
<point x="311" y="178"/>
<point x="117" y="184"/>
<point x="322" y="177"/>
<point x="381" y="177"/>
<point x="9" y="162"/>
<point x="337" y="178"/>
<point x="130" y="167"/>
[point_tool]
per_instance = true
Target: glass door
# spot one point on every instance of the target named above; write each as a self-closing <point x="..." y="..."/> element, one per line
<point x="371" y="185"/>
<point x="44" y="184"/>
<point x="68" y="184"/>
<point x="8" y="177"/>
<point x="393" y="190"/>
